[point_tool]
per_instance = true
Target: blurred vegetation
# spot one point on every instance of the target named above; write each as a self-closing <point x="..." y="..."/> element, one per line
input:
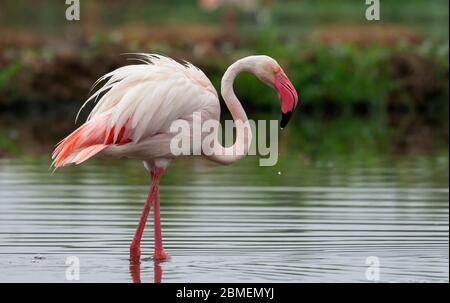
<point x="295" y="17"/>
<point x="337" y="77"/>
<point x="347" y="77"/>
<point x="364" y="87"/>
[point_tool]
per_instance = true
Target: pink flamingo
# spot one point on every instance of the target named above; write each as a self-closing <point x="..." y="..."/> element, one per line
<point x="138" y="104"/>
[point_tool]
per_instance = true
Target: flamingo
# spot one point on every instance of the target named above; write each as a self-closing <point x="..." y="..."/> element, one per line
<point x="138" y="103"/>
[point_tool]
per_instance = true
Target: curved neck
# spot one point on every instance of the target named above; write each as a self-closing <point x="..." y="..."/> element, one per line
<point x="240" y="148"/>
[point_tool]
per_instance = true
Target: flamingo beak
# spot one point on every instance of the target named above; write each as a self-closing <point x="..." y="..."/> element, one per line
<point x="288" y="97"/>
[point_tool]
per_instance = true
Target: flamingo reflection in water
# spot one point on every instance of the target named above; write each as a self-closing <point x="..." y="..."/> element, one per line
<point x="135" y="271"/>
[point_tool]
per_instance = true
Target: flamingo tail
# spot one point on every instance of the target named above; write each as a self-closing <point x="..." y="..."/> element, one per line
<point x="87" y="141"/>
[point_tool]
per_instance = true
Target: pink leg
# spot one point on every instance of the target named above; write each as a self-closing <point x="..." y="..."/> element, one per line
<point x="135" y="248"/>
<point x="160" y="253"/>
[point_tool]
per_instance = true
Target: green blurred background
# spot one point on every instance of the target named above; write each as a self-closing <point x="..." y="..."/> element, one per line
<point x="367" y="88"/>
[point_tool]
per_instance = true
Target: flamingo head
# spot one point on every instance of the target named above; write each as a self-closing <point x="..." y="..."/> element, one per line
<point x="270" y="72"/>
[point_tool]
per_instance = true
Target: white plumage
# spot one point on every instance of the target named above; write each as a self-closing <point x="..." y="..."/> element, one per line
<point x="143" y="100"/>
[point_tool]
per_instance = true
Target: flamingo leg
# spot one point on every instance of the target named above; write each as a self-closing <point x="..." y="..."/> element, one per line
<point x="135" y="248"/>
<point x="159" y="253"/>
<point x="153" y="196"/>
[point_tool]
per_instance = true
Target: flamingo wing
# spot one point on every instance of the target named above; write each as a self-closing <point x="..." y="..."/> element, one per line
<point x="137" y="102"/>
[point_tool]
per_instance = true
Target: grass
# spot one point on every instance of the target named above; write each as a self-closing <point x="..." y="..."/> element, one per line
<point x="342" y="77"/>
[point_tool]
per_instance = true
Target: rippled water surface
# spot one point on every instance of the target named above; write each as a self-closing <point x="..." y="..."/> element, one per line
<point x="295" y="222"/>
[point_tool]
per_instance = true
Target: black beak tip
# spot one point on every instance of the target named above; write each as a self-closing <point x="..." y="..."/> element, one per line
<point x="285" y="117"/>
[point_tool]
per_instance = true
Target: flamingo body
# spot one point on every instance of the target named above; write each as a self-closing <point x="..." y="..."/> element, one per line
<point x="139" y="103"/>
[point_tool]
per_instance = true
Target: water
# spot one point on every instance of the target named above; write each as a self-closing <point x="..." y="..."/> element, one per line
<point x="300" y="221"/>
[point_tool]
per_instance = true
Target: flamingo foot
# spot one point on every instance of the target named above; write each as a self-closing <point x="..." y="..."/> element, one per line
<point x="160" y="255"/>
